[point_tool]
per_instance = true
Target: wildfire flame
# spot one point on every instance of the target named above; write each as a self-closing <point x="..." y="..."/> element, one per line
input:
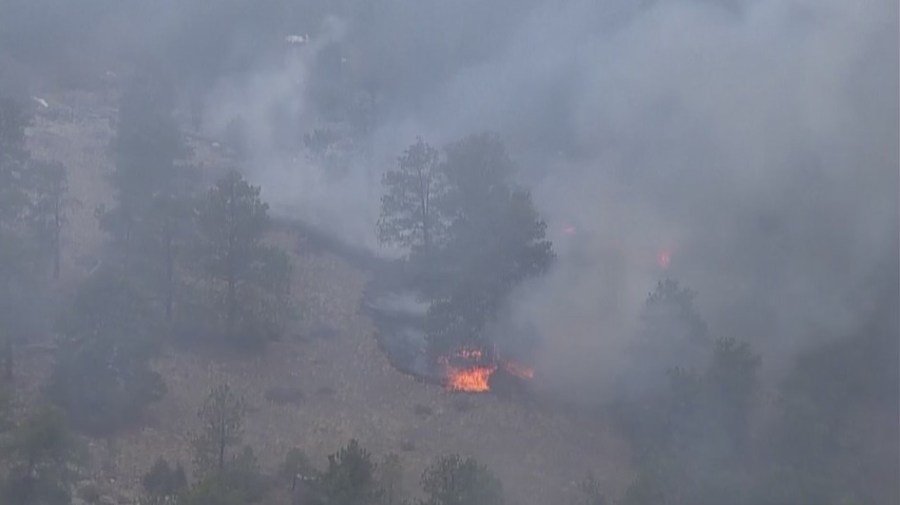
<point x="476" y="378"/>
<point x="473" y="380"/>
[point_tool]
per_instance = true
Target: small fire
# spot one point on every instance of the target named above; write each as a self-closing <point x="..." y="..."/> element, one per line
<point x="473" y="380"/>
<point x="568" y="230"/>
<point x="475" y="377"/>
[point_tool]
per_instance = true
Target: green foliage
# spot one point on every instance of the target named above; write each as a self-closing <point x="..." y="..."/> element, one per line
<point x="222" y="426"/>
<point x="350" y="478"/>
<point x="451" y="480"/>
<point x="250" y="280"/>
<point x="102" y="376"/>
<point x="40" y="451"/>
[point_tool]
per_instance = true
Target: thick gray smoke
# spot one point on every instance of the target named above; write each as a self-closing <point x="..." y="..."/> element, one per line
<point x="747" y="148"/>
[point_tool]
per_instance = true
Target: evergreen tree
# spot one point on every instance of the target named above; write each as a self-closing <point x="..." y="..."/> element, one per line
<point x="222" y="418"/>
<point x="231" y="224"/>
<point x="350" y="478"/>
<point x="495" y="240"/>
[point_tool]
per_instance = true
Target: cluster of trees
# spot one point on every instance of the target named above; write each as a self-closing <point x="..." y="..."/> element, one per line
<point x="704" y="431"/>
<point x="181" y="261"/>
<point x="226" y="472"/>
<point x="176" y="241"/>
<point x="472" y="235"/>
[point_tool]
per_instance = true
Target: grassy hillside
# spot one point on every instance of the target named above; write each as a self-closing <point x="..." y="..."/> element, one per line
<point x="325" y="382"/>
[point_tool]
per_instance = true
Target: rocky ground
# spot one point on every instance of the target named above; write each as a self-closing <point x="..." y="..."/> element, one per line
<point x="324" y="383"/>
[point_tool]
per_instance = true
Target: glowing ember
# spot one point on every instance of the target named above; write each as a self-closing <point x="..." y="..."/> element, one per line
<point x="663" y="258"/>
<point x="475" y="377"/>
<point x="474" y="380"/>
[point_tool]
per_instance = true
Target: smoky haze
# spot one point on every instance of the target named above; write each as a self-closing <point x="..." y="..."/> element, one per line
<point x="747" y="148"/>
<point x="753" y="143"/>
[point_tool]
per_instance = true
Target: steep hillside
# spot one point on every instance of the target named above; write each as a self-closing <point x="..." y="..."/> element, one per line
<point x="326" y="381"/>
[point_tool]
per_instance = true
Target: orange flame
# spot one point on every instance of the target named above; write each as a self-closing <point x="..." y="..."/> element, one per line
<point x="474" y="379"/>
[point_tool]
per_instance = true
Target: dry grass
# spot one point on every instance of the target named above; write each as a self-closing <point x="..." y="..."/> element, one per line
<point x="329" y="361"/>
